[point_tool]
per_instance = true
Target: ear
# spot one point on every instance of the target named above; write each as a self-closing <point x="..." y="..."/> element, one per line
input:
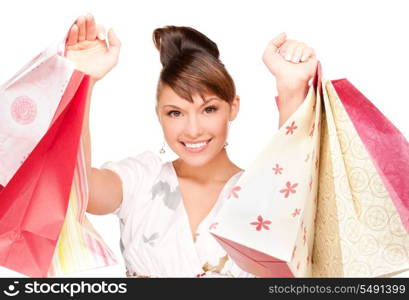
<point x="234" y="108"/>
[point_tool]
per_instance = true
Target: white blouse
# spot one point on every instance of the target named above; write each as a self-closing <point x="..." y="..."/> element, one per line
<point x="156" y="240"/>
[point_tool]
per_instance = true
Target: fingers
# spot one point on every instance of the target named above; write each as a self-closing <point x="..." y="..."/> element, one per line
<point x="298" y="53"/>
<point x="83" y="29"/>
<point x="288" y="49"/>
<point x="72" y="35"/>
<point x="100" y="32"/>
<point x="307" y="53"/>
<point x="294" y="51"/>
<point x="91" y="30"/>
<point x="82" y="34"/>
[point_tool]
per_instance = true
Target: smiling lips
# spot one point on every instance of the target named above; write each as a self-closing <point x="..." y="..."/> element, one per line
<point x="196" y="147"/>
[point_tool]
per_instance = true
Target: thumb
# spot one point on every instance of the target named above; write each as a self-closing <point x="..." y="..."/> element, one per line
<point x="270" y="55"/>
<point x="278" y="41"/>
<point x="114" y="42"/>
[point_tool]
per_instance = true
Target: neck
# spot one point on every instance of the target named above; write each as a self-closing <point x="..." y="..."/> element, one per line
<point x="220" y="169"/>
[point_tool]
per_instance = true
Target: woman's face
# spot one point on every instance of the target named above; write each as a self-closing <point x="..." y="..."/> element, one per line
<point x="197" y="131"/>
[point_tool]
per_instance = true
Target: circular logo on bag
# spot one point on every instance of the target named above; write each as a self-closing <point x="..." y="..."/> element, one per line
<point x="395" y="254"/>
<point x="376" y="217"/>
<point x="396" y="227"/>
<point x="358" y="269"/>
<point x="23" y="110"/>
<point x="368" y="245"/>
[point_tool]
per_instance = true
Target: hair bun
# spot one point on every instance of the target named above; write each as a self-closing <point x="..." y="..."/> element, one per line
<point x="171" y="41"/>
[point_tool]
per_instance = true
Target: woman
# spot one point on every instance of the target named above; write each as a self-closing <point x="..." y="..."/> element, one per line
<point x="166" y="208"/>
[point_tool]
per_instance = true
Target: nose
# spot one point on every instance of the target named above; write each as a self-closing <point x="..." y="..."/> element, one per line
<point x="193" y="127"/>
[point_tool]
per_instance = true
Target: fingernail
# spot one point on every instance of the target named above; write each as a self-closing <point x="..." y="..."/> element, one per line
<point x="101" y="36"/>
<point x="288" y="56"/>
<point x="295" y="59"/>
<point x="303" y="58"/>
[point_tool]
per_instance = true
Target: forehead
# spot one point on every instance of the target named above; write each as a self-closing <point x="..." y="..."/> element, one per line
<point x="169" y="97"/>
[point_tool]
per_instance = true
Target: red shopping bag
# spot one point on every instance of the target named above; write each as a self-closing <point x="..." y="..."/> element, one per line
<point x="34" y="202"/>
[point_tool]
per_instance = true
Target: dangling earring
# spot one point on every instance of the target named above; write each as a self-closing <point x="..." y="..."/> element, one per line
<point x="228" y="128"/>
<point x="162" y="150"/>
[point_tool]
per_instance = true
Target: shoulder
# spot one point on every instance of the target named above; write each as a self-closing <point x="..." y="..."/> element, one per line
<point x="136" y="172"/>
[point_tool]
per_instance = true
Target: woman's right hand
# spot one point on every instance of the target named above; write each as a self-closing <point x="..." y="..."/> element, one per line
<point x="87" y="48"/>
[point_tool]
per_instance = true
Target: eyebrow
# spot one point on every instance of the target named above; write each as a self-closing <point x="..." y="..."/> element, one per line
<point x="204" y="103"/>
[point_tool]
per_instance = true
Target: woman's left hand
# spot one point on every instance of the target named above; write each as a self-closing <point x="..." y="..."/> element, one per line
<point x="293" y="63"/>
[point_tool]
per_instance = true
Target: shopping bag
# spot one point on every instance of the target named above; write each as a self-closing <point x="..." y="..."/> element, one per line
<point x="387" y="147"/>
<point x="43" y="228"/>
<point x="362" y="214"/>
<point x="267" y="224"/>
<point x="358" y="224"/>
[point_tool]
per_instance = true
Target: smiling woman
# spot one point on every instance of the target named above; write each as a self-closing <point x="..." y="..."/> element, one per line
<point x="195" y="81"/>
<point x="166" y="208"/>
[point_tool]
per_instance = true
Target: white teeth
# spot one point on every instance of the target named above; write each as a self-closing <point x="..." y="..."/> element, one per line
<point x="198" y="145"/>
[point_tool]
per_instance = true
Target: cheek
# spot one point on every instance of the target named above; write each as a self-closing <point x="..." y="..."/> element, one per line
<point x="218" y="127"/>
<point x="171" y="130"/>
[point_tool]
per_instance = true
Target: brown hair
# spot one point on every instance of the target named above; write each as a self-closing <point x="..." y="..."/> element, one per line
<point x="191" y="64"/>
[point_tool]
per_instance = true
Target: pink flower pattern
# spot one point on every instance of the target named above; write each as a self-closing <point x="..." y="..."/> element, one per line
<point x="261" y="223"/>
<point x="233" y="192"/>
<point x="277" y="169"/>
<point x="296" y="212"/>
<point x="305" y="235"/>
<point x="213" y="225"/>
<point x="290" y="189"/>
<point x="291" y="128"/>
<point x="293" y="254"/>
<point x="312" y="129"/>
<point x="306" y="159"/>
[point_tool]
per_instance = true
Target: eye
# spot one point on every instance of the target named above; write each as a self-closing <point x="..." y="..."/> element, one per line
<point x="211" y="109"/>
<point x="174" y="113"/>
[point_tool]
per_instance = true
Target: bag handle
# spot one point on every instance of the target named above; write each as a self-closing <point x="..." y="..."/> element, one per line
<point x="55" y="48"/>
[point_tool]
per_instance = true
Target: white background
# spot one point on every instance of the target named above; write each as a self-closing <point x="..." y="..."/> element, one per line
<point x="364" y="41"/>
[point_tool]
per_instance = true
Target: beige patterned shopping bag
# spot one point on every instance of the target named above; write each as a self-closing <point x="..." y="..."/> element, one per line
<point x="359" y="231"/>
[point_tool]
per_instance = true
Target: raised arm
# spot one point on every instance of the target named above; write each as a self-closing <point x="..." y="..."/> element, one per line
<point x="87" y="48"/>
<point x="293" y="64"/>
